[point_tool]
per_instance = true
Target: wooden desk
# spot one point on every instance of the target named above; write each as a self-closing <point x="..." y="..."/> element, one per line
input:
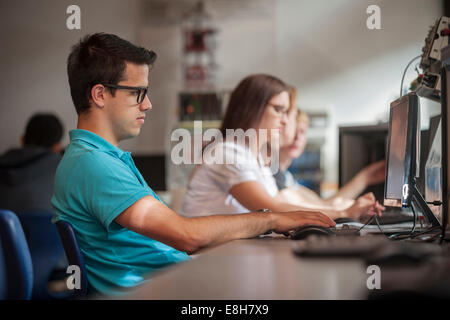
<point x="262" y="268"/>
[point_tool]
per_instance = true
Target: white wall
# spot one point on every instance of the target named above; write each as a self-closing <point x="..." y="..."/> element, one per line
<point x="338" y="65"/>
<point x="321" y="46"/>
<point x="35" y="44"/>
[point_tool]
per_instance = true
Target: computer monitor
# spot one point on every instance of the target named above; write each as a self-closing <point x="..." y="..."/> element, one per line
<point x="402" y="150"/>
<point x="402" y="157"/>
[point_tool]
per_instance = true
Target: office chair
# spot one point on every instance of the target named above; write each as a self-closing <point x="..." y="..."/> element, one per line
<point x="17" y="269"/>
<point x="73" y="254"/>
<point x="46" y="251"/>
<point x="3" y="275"/>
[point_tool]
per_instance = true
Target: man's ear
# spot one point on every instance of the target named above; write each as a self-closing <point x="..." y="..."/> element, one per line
<point x="98" y="93"/>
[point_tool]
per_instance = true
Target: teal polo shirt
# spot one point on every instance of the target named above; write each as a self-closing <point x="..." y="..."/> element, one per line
<point x="94" y="183"/>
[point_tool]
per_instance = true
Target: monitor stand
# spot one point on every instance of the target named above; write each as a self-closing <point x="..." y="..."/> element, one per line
<point x="421" y="203"/>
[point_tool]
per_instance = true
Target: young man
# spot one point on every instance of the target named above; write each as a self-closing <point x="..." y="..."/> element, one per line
<point x="27" y="174"/>
<point x="123" y="228"/>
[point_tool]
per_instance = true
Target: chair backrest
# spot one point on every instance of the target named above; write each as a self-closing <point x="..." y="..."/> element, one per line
<point x="45" y="248"/>
<point x="16" y="257"/>
<point x="3" y="274"/>
<point x="73" y="254"/>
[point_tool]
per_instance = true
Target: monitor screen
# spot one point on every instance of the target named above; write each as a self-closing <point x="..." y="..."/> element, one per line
<point x="402" y="150"/>
<point x="397" y="150"/>
<point x="433" y="173"/>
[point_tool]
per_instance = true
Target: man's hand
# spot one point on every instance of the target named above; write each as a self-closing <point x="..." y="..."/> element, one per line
<point x="365" y="205"/>
<point x="286" y="221"/>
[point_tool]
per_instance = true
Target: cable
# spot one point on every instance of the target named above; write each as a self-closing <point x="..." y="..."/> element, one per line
<point x="365" y="224"/>
<point x="404" y="72"/>
<point x="434" y="237"/>
<point x="444" y="220"/>
<point x="415" y="217"/>
<point x="379" y="227"/>
<point x="426" y="231"/>
<point x="409" y="236"/>
<point x="435" y="203"/>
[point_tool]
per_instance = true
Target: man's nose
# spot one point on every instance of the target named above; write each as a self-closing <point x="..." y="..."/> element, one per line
<point x="146" y="104"/>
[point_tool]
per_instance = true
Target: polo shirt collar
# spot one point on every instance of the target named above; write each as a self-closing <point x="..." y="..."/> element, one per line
<point x="96" y="141"/>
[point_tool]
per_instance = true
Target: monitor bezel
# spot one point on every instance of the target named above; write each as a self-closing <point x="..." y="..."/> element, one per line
<point x="412" y="101"/>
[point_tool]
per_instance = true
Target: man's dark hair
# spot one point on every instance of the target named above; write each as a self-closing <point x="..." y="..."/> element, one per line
<point x="44" y="130"/>
<point x="101" y="58"/>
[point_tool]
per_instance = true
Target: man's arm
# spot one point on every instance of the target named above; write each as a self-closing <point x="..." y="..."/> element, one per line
<point x="153" y="219"/>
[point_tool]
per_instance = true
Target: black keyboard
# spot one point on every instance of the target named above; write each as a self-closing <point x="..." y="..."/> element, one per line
<point x="349" y="246"/>
<point x="393" y="216"/>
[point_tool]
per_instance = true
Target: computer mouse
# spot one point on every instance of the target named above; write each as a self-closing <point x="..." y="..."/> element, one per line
<point x="308" y="230"/>
<point x="345" y="220"/>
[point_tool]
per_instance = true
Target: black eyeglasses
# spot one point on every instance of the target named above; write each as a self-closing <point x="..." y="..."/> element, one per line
<point x="140" y="91"/>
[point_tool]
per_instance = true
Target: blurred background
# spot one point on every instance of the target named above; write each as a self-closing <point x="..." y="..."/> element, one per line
<point x="345" y="74"/>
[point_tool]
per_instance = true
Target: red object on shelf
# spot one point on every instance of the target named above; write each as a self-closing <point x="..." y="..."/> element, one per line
<point x="196" y="40"/>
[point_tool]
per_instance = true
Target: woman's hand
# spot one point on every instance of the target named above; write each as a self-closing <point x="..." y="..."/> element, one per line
<point x="365" y="205"/>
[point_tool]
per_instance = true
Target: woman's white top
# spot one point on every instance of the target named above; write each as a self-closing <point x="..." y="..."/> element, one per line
<point x="208" y="190"/>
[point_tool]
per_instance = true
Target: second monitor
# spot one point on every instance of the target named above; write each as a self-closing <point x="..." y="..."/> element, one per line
<point x="402" y="166"/>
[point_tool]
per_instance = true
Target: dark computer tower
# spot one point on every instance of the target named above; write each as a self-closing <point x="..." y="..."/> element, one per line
<point x="153" y="169"/>
<point x="362" y="145"/>
<point x="358" y="147"/>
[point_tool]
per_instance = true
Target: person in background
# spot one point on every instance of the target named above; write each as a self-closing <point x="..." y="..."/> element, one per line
<point x="27" y="173"/>
<point x="259" y="102"/>
<point x="294" y="141"/>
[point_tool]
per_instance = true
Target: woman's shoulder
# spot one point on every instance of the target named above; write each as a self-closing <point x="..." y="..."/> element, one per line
<point x="227" y="153"/>
<point x="228" y="145"/>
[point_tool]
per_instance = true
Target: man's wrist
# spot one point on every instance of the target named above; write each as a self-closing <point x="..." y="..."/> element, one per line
<point x="270" y="218"/>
